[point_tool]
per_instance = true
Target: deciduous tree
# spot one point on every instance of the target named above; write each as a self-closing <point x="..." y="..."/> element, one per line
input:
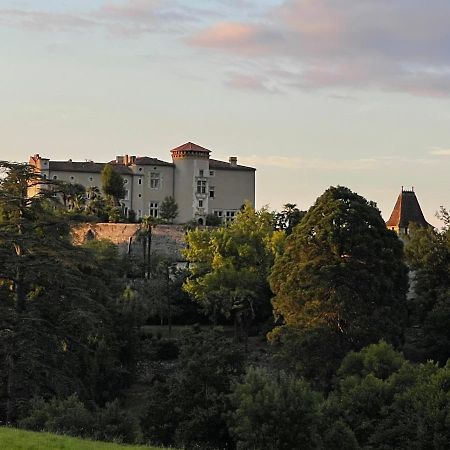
<point x="168" y="210"/>
<point x="229" y="266"/>
<point x="341" y="280"/>
<point x="112" y="184"/>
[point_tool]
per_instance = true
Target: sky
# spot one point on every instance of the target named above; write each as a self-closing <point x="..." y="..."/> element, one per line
<point x="313" y="93"/>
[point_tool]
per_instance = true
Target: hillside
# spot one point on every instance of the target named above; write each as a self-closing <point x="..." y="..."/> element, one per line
<point x="14" y="439"/>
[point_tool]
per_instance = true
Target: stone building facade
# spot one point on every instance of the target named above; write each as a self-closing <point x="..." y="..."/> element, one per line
<point x="199" y="184"/>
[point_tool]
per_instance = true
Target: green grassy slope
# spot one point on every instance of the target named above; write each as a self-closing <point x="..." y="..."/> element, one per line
<point x="14" y="439"/>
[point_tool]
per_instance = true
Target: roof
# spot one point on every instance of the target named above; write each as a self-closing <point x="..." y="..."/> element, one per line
<point x="190" y="146"/>
<point x="87" y="166"/>
<point x="407" y="210"/>
<point x="146" y="161"/>
<point x="222" y="165"/>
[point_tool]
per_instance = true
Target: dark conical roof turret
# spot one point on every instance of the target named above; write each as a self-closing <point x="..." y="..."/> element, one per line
<point x="406" y="211"/>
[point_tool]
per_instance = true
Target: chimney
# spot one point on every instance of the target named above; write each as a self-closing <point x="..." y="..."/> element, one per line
<point x="233" y="161"/>
<point x="126" y="160"/>
<point x="119" y="159"/>
<point x="132" y="159"/>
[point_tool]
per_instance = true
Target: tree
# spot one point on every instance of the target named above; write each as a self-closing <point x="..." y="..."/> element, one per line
<point x="61" y="327"/>
<point x="341" y="280"/>
<point x="274" y="413"/>
<point x="145" y="235"/>
<point x="230" y="265"/>
<point x="428" y="254"/>
<point x="168" y="209"/>
<point x="390" y="403"/>
<point x="212" y="220"/>
<point x="73" y="195"/>
<point x="112" y="184"/>
<point x="289" y="217"/>
<point x="96" y="204"/>
<point x="188" y="409"/>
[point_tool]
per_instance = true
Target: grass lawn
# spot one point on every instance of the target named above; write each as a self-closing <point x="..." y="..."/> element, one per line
<point x="14" y="439"/>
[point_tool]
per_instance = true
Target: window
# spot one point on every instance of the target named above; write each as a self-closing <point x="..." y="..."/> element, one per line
<point x="72" y="178"/>
<point x="140" y="181"/>
<point x="140" y="169"/>
<point x="211" y="192"/>
<point x="55" y="177"/>
<point x="200" y="172"/>
<point x="125" y="181"/>
<point x="91" y="179"/>
<point x="127" y="194"/>
<point x="201" y="186"/>
<point x="211" y="173"/>
<point x="139" y="195"/>
<point x="44" y="177"/>
<point x="200" y="203"/>
<point x="229" y="215"/>
<point x="155" y="181"/>
<point x="139" y="213"/>
<point x="153" y="209"/>
<point x="218" y="213"/>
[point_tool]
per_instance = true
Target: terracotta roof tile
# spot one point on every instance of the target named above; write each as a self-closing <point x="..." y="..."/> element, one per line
<point x="407" y="210"/>
<point x="191" y="146"/>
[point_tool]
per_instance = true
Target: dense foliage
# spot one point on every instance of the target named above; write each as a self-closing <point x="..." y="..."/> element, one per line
<point x="230" y="265"/>
<point x="168" y="209"/>
<point x="89" y="345"/>
<point x="189" y="407"/>
<point x="260" y="399"/>
<point x="62" y="326"/>
<point x="428" y="253"/>
<point x="112" y="183"/>
<point x="341" y="282"/>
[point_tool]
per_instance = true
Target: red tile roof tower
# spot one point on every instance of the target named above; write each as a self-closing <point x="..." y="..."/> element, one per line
<point x="406" y="211"/>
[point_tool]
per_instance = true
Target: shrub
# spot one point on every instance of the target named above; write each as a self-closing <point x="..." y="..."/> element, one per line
<point x="63" y="416"/>
<point x="274" y="414"/>
<point x="112" y="423"/>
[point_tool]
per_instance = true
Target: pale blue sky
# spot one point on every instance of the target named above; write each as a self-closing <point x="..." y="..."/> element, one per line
<point x="312" y="93"/>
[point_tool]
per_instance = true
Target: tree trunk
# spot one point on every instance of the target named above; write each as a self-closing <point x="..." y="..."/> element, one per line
<point x="149" y="250"/>
<point x="169" y="309"/>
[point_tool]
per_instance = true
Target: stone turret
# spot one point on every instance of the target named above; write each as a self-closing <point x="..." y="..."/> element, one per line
<point x="406" y="211"/>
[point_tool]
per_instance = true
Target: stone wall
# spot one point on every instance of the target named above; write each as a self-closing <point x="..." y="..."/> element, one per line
<point x="167" y="240"/>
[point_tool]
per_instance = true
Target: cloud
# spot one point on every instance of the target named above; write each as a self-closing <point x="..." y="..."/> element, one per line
<point x="128" y="17"/>
<point x="236" y="37"/>
<point x="247" y="82"/>
<point x="319" y="164"/>
<point x="401" y="46"/>
<point x="39" y="20"/>
<point x="437" y="151"/>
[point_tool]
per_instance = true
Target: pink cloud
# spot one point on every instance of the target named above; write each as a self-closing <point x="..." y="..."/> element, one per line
<point x="239" y="37"/>
<point x="401" y="46"/>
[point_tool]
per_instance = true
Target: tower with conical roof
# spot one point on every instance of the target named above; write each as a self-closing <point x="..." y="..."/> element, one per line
<point x="406" y="211"/>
